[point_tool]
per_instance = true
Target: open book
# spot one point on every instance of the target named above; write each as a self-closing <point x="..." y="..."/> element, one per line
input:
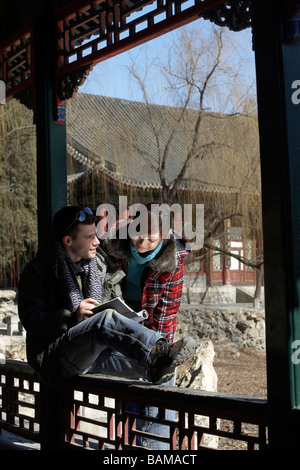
<point x="121" y="307"/>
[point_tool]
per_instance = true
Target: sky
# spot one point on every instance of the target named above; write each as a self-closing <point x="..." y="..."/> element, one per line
<point x="111" y="77"/>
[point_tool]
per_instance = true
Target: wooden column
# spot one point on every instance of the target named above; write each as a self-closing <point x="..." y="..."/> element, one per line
<point x="278" y="66"/>
<point x="51" y="136"/>
<point x="51" y="171"/>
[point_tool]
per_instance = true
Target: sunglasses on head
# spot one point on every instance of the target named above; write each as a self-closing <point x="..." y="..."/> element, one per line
<point x="81" y="216"/>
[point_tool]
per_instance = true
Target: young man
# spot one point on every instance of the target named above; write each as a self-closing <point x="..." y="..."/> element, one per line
<point x="57" y="291"/>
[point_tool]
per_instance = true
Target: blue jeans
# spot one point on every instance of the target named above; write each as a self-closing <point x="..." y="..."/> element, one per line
<point x="152" y="427"/>
<point x="84" y="347"/>
<point x="115" y="363"/>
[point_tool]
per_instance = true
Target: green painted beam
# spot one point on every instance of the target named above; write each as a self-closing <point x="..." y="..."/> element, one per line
<point x="291" y="83"/>
<point x="51" y="168"/>
<point x="51" y="137"/>
<point x="277" y="66"/>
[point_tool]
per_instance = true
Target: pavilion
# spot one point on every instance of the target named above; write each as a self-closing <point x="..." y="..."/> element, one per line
<point x="47" y="48"/>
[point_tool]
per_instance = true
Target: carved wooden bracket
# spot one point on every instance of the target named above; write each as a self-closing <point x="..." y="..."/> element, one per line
<point x="68" y="84"/>
<point x="236" y="15"/>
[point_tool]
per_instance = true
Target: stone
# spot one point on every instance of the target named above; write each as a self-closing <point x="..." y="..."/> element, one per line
<point x="8" y="303"/>
<point x="7" y="295"/>
<point x="242" y="326"/>
<point x="199" y="374"/>
<point x="2" y="357"/>
<point x="13" y="347"/>
<point x="12" y="322"/>
<point x="224" y="323"/>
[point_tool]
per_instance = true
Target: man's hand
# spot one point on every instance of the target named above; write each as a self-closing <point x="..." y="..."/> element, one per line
<point x="84" y="308"/>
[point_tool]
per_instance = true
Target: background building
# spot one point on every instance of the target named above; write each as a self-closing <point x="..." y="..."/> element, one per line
<point x="118" y="147"/>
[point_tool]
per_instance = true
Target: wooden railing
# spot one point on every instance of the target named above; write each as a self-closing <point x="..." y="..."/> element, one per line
<point x="93" y="412"/>
<point x="19" y="399"/>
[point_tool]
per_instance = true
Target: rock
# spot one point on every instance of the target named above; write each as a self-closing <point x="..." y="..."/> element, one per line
<point x="242" y="325"/>
<point x="199" y="373"/>
<point x="12" y="322"/>
<point x="8" y="303"/>
<point x="2" y="357"/>
<point x="7" y="295"/>
<point x="13" y="347"/>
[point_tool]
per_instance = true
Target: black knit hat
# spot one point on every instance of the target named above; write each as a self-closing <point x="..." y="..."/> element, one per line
<point x="66" y="220"/>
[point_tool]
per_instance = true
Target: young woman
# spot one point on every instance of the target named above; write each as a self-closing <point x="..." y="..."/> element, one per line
<point x="154" y="266"/>
<point x="153" y="261"/>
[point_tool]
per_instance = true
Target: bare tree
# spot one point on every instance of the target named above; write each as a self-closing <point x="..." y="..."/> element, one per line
<point x="199" y="73"/>
<point x="200" y="139"/>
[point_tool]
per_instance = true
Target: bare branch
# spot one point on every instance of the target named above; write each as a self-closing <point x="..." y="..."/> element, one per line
<point x="233" y="255"/>
<point x="14" y="133"/>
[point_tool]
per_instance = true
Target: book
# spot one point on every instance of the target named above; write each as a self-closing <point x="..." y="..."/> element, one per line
<point x="121" y="307"/>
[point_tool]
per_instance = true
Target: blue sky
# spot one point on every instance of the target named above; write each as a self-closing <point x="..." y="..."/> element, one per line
<point x="111" y="77"/>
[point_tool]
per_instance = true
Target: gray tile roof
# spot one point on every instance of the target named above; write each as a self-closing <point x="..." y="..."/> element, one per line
<point x="117" y="137"/>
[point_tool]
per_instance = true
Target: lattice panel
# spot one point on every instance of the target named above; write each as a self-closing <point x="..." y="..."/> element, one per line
<point x="16" y="62"/>
<point x="104" y="24"/>
<point x="20" y="405"/>
<point x="99" y="29"/>
<point x="94" y="413"/>
<point x="100" y="420"/>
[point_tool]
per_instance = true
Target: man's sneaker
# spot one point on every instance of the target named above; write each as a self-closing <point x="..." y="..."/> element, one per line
<point x="165" y="357"/>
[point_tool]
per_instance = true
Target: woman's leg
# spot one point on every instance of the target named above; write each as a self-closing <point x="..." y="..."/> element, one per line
<point x="157" y="428"/>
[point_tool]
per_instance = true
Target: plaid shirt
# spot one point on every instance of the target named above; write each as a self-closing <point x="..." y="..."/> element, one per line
<point x="161" y="296"/>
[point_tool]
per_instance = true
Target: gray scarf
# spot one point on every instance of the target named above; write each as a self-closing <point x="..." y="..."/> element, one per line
<point x="87" y="269"/>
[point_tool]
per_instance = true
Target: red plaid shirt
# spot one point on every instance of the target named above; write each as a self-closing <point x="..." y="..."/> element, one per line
<point x="161" y="297"/>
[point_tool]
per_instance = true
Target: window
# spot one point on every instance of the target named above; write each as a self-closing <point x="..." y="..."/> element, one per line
<point x="217" y="257"/>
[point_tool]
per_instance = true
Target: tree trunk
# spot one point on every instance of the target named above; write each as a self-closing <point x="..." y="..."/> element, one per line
<point x="257" y="294"/>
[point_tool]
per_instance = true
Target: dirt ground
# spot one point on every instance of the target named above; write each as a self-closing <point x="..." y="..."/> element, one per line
<point x="243" y="373"/>
<point x="240" y="374"/>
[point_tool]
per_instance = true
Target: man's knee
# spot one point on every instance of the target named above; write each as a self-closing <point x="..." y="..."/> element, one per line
<point x="100" y="319"/>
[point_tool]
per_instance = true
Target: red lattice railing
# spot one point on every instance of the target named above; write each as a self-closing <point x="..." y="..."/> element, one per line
<point x="93" y="412"/>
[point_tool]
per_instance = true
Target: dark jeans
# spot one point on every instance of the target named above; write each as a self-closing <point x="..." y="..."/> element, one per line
<point x="99" y="338"/>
